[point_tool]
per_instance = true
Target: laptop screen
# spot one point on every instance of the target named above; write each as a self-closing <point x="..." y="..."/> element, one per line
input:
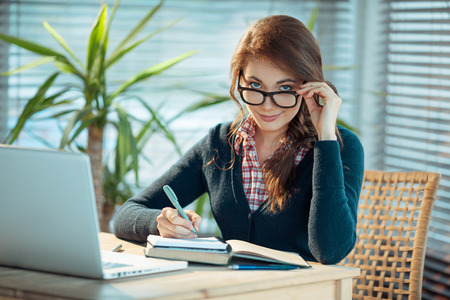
<point x="48" y="219"/>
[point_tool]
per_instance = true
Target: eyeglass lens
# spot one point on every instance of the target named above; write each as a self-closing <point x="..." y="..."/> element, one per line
<point x="254" y="97"/>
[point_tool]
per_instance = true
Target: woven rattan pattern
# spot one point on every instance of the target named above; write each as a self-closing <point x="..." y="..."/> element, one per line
<point x="393" y="218"/>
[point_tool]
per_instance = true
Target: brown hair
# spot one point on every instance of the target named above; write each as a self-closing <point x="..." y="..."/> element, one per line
<point x="285" y="42"/>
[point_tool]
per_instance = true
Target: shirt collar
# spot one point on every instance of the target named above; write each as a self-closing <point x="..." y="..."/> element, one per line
<point x="247" y="129"/>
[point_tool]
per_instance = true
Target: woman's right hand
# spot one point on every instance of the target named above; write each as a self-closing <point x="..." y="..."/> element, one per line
<point x="172" y="225"/>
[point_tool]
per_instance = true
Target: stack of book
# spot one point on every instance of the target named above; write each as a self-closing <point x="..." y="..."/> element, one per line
<point x="217" y="251"/>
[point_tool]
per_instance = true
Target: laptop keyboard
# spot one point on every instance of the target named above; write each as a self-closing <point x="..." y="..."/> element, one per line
<point x="112" y="265"/>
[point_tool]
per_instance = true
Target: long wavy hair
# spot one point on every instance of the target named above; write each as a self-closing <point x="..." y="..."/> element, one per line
<point x="287" y="43"/>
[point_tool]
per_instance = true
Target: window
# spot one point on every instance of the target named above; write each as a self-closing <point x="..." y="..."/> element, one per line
<point x="211" y="27"/>
<point x="416" y="108"/>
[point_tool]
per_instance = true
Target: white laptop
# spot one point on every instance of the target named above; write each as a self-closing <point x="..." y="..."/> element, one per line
<point x="48" y="218"/>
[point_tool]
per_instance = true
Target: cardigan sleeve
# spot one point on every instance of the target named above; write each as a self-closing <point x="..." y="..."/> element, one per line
<point x="136" y="218"/>
<point x="337" y="179"/>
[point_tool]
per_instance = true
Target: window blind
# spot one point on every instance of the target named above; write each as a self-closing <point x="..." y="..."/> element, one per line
<point x="211" y="27"/>
<point x="4" y="27"/>
<point x="417" y="114"/>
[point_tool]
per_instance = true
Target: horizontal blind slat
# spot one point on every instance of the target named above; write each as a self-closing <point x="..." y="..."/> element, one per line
<point x="416" y="115"/>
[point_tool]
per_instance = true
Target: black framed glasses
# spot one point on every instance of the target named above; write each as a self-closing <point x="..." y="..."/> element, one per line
<point x="283" y="99"/>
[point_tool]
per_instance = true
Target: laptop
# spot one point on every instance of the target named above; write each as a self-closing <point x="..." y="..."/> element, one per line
<point x="48" y="218"/>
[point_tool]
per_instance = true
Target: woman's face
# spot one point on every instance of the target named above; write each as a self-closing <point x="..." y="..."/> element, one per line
<point x="270" y="118"/>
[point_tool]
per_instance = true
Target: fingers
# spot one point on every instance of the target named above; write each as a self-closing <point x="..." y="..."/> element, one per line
<point x="309" y="91"/>
<point x="322" y="89"/>
<point x="312" y="105"/>
<point x="323" y="117"/>
<point x="195" y="218"/>
<point x="171" y="224"/>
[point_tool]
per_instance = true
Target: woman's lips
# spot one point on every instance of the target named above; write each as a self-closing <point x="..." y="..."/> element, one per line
<point x="270" y="118"/>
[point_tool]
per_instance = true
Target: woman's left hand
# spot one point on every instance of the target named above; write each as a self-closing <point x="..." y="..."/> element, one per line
<point x="323" y="117"/>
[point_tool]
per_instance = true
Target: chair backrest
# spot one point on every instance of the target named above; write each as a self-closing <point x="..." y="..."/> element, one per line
<point x="393" y="218"/>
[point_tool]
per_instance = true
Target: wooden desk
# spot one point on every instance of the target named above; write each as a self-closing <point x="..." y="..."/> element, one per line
<point x="197" y="282"/>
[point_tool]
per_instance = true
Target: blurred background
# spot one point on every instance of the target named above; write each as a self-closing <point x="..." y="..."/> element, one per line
<point x="389" y="59"/>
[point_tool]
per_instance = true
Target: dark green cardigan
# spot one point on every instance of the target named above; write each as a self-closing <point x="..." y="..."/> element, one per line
<point x="319" y="221"/>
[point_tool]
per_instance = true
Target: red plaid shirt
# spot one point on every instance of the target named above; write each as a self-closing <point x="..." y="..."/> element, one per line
<point x="252" y="174"/>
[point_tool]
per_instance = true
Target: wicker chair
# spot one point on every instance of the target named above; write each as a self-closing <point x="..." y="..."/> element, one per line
<point x="393" y="217"/>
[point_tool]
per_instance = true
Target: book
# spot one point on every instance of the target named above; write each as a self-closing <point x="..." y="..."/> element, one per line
<point x="216" y="251"/>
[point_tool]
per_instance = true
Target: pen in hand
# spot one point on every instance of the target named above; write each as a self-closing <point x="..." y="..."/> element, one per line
<point x="173" y="198"/>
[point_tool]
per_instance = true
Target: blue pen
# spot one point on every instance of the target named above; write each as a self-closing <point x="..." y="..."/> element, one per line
<point x="263" y="267"/>
<point x="173" y="198"/>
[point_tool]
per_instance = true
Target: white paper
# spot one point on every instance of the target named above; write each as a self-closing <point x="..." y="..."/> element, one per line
<point x="197" y="243"/>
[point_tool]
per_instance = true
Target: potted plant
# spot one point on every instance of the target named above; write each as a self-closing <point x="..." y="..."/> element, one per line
<point x="101" y="106"/>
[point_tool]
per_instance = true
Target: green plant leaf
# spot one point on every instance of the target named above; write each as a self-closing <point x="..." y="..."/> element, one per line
<point x="336" y="68"/>
<point x="113" y="13"/>
<point x="62" y="42"/>
<point x="108" y="24"/>
<point x="30" y="46"/>
<point x="33" y="105"/>
<point x="200" y="204"/>
<point x="60" y="114"/>
<point x="104" y="43"/>
<point x="144" y="133"/>
<point x="85" y="121"/>
<point x="73" y="120"/>
<point x="80" y="148"/>
<point x="96" y="79"/>
<point x="119" y="52"/>
<point x="66" y="67"/>
<point x="153" y="70"/>
<point x="38" y="62"/>
<point x="169" y="135"/>
<point x="313" y="19"/>
<point x="97" y="32"/>
<point x="126" y="144"/>
<point x="49" y="101"/>
<point x="138" y="28"/>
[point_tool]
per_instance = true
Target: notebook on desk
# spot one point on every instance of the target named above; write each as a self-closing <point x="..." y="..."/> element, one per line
<point x="48" y="218"/>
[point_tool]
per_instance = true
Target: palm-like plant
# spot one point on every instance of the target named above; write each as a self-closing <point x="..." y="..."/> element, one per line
<point x="101" y="106"/>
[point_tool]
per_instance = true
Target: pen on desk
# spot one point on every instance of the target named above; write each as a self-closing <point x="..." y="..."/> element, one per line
<point x="263" y="267"/>
<point x="173" y="198"/>
<point x="117" y="248"/>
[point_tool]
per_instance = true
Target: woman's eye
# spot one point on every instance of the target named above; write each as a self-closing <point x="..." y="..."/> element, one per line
<point x="255" y="85"/>
<point x="284" y="88"/>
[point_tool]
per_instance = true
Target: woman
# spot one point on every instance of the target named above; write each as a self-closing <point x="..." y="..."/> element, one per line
<point x="285" y="177"/>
